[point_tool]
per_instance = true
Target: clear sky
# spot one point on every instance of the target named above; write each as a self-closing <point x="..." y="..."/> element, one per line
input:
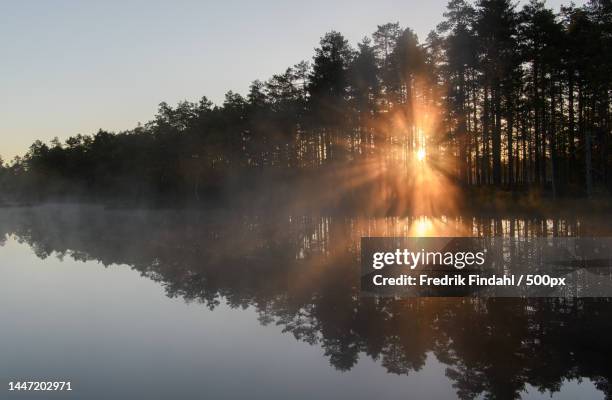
<point x="69" y="67"/>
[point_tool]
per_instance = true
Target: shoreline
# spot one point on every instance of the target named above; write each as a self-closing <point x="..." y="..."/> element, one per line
<point x="520" y="207"/>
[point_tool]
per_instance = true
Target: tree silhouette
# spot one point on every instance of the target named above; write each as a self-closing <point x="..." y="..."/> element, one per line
<point x="519" y="99"/>
<point x="302" y="274"/>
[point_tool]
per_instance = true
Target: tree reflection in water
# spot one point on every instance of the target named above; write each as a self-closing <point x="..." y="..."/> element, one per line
<point x="302" y="273"/>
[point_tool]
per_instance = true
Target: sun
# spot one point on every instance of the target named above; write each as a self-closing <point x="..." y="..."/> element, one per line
<point x="420" y="154"/>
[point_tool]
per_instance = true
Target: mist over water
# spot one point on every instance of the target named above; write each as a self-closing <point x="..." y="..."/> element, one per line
<point x="215" y="296"/>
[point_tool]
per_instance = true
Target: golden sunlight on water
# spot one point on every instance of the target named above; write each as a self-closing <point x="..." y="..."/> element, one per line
<point x="420" y="154"/>
<point x="436" y="226"/>
<point x="422" y="227"/>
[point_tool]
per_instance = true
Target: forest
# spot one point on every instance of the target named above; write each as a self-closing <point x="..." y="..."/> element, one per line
<point x="497" y="97"/>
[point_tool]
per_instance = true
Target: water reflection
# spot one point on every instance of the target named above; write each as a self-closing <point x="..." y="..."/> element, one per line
<point x="302" y="273"/>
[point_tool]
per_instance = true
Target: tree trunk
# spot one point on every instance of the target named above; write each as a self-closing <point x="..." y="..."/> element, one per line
<point x="497" y="137"/>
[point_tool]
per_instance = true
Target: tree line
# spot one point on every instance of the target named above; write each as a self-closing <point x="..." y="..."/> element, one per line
<point x="497" y="96"/>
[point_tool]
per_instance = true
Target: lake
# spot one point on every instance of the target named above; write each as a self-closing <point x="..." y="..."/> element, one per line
<point x="159" y="304"/>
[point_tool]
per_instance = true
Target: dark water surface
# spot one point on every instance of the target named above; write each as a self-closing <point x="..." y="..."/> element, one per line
<point x="167" y="304"/>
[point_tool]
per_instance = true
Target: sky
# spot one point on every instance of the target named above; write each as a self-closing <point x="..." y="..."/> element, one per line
<point x="69" y="67"/>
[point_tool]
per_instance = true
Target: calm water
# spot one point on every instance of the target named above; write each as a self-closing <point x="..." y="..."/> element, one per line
<point x="160" y="304"/>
